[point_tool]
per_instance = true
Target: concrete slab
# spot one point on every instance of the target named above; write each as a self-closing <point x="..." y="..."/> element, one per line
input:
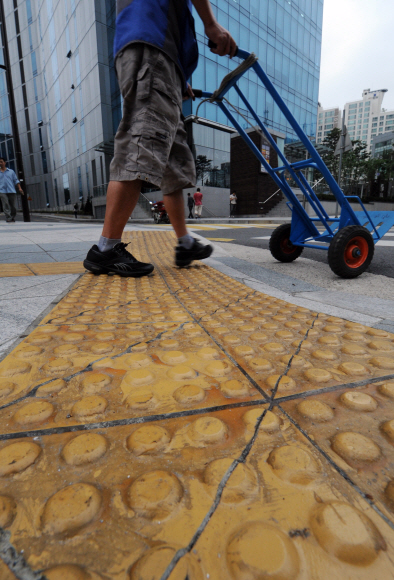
<point x="275" y="279"/>
<point x="23" y="258"/>
<point x="379" y="307"/>
<point x="27" y="287"/>
<point x="315" y="273"/>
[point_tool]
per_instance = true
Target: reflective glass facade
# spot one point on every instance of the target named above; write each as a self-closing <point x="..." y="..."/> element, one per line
<point x="286" y="36"/>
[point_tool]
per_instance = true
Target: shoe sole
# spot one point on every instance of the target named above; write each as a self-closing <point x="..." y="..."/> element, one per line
<point x="97" y="270"/>
<point x="205" y="253"/>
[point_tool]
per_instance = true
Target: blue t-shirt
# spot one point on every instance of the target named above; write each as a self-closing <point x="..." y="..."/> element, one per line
<point x="166" y="24"/>
<point x="8" y="180"/>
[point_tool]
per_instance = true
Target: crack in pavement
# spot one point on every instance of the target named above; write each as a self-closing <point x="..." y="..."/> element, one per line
<point x="15" y="560"/>
<point x="241" y="459"/>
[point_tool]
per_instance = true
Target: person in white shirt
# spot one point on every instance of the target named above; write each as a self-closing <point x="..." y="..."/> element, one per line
<point x="8" y="184"/>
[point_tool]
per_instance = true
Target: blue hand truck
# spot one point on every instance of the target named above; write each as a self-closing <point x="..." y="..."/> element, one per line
<point x="350" y="239"/>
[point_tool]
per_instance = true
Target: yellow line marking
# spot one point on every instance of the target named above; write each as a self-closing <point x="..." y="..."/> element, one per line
<point x="45" y="269"/>
<point x="11" y="270"/>
<point x="220" y="239"/>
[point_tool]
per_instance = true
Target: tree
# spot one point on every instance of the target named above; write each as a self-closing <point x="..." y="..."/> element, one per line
<point x="203" y="167"/>
<point x="380" y="172"/>
<point x="354" y="162"/>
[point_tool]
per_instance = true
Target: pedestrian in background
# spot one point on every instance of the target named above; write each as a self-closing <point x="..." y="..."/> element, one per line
<point x="190" y="205"/>
<point x="198" y="203"/>
<point x="8" y="183"/>
<point x="233" y="203"/>
<point x="76" y="210"/>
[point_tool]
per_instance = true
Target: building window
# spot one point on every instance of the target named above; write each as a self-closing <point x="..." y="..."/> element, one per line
<point x="77" y="68"/>
<point x="56" y="192"/>
<point x="80" y="188"/>
<point x="83" y="137"/>
<point x="354" y="106"/>
<point x="34" y="63"/>
<point x="30" y="142"/>
<point x="66" y="189"/>
<point x="44" y="161"/>
<point x="81" y="102"/>
<point x="39" y="114"/>
<point x="76" y="139"/>
<point x="60" y="126"/>
<point x="55" y="68"/>
<point x="35" y="89"/>
<point x="46" y="193"/>
<point x="29" y="12"/>
<point x="30" y="39"/>
<point x="87" y="178"/>
<point x="63" y="155"/>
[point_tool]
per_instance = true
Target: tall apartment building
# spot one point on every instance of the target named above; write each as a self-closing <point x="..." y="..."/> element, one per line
<point x="327" y="120"/>
<point x="364" y="119"/>
<point x="68" y="101"/>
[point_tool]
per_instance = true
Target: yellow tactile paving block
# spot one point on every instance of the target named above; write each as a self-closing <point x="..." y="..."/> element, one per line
<point x="10" y="270"/>
<point x="80" y="374"/>
<point x="355" y="427"/>
<point x="118" y="503"/>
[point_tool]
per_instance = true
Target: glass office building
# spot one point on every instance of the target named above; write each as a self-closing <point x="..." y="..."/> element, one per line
<point x="286" y="37"/>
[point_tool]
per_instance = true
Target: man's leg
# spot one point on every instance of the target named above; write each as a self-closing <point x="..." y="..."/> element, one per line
<point x="122" y="197"/>
<point x="12" y="202"/>
<point x="6" y="206"/>
<point x="174" y="206"/>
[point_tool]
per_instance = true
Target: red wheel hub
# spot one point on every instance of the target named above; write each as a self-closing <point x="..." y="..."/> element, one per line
<point x="286" y="246"/>
<point x="356" y="252"/>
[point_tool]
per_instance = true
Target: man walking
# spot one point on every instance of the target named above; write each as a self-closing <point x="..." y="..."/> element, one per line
<point x="233" y="203"/>
<point x="190" y="205"/>
<point x="198" y="203"/>
<point x="8" y="183"/>
<point x="155" y="54"/>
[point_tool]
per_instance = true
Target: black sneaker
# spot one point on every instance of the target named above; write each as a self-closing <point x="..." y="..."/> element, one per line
<point x="116" y="261"/>
<point x="198" y="251"/>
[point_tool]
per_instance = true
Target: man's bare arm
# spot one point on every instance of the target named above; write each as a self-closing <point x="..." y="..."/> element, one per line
<point x="225" y="44"/>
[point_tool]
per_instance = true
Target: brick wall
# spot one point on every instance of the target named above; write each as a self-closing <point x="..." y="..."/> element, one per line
<point x="251" y="185"/>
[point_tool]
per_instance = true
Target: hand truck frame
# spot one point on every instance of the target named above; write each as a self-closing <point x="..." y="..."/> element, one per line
<point x="349" y="239"/>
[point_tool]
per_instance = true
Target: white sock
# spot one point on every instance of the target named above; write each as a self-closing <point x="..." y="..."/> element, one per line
<point x="106" y="244"/>
<point x="186" y="241"/>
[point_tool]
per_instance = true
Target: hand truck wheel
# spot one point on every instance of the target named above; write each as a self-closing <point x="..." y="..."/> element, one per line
<point x="281" y="247"/>
<point x="351" y="251"/>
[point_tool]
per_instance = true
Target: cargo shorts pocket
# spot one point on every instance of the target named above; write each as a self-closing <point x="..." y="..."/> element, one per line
<point x="144" y="82"/>
<point x="154" y="146"/>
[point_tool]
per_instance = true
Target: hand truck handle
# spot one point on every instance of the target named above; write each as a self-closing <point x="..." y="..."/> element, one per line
<point x="214" y="45"/>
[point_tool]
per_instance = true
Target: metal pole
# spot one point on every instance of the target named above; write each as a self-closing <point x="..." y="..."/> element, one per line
<point x="340" y="157"/>
<point x="14" y="122"/>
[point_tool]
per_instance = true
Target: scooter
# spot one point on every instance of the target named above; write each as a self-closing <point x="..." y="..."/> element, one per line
<point x="159" y="213"/>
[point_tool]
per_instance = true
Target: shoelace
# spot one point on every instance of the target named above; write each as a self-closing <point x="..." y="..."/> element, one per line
<point x="120" y="249"/>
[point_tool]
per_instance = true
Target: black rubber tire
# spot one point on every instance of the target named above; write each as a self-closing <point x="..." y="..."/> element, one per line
<point x="280" y="246"/>
<point x="336" y="252"/>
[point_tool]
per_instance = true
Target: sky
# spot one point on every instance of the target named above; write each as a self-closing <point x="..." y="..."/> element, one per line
<point x="357" y="51"/>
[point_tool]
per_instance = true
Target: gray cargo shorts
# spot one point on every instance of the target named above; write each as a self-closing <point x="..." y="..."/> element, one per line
<point x="151" y="143"/>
